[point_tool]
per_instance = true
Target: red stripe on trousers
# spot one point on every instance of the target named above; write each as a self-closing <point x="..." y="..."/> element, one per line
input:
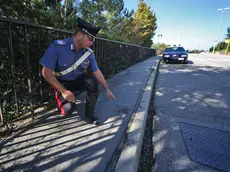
<point x="59" y="102"/>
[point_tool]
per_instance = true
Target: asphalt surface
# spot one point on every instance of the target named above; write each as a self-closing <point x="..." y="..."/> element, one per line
<point x="69" y="143"/>
<point x="196" y="93"/>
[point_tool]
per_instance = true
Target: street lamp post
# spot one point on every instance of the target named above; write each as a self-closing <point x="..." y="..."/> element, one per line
<point x="221" y="17"/>
<point x="222" y="13"/>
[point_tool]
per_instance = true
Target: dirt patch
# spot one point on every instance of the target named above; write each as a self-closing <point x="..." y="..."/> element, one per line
<point x="147" y="159"/>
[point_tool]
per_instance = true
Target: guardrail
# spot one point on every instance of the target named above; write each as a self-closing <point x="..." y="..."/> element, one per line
<point x="22" y="45"/>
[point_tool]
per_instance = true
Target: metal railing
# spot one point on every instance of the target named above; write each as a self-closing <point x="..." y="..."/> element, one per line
<point x="22" y="45"/>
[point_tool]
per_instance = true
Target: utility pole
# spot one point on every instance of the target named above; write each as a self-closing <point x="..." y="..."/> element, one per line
<point x="221" y="17"/>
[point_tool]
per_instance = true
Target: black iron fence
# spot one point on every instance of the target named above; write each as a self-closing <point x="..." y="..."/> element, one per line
<point x="22" y="45"/>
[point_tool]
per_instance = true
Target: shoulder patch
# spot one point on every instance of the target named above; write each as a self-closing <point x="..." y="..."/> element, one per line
<point x="60" y="42"/>
<point x="90" y="50"/>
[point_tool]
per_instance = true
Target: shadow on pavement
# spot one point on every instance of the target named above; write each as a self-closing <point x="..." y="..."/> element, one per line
<point x="69" y="143"/>
<point x="194" y="94"/>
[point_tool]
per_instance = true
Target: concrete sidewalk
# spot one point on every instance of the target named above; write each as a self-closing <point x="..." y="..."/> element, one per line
<point x="71" y="144"/>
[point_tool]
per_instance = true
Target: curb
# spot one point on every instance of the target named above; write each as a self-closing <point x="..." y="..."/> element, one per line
<point x="130" y="155"/>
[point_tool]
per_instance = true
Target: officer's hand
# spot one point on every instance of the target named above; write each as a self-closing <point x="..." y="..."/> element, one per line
<point x="110" y="94"/>
<point x="69" y="96"/>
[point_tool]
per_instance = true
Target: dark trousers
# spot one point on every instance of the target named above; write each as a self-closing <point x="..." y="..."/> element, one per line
<point x="82" y="83"/>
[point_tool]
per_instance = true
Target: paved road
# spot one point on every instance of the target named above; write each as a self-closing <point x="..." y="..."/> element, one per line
<point x="196" y="93"/>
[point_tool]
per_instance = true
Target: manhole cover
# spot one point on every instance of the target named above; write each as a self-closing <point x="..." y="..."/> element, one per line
<point x="207" y="146"/>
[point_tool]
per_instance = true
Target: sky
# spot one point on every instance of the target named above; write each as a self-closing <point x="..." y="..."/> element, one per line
<point x="195" y="24"/>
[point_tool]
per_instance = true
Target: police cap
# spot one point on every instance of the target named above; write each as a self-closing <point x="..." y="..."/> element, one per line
<point x="87" y="27"/>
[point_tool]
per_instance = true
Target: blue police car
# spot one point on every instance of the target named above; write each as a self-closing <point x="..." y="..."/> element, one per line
<point x="178" y="54"/>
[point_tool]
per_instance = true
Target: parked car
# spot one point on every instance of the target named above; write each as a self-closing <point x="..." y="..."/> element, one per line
<point x="178" y="54"/>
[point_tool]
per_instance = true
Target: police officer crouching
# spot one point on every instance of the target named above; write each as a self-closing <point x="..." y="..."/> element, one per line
<point x="64" y="65"/>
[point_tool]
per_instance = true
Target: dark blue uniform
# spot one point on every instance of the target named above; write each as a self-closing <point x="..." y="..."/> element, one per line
<point x="60" y="55"/>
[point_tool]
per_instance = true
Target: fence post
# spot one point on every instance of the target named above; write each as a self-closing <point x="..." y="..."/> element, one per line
<point x="1" y="115"/>
<point x="13" y="68"/>
<point x="28" y="72"/>
<point x="39" y="68"/>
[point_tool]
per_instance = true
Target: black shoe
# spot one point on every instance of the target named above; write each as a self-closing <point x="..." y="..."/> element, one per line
<point x="92" y="118"/>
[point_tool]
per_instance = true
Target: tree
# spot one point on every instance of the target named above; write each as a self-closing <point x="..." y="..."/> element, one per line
<point x="43" y="12"/>
<point x="115" y="20"/>
<point x="119" y="24"/>
<point x="228" y="33"/>
<point x="211" y="49"/>
<point x="51" y="3"/>
<point x="66" y="15"/>
<point x="100" y="12"/>
<point x="159" y="46"/>
<point x="144" y="24"/>
<point x="221" y="46"/>
<point x="95" y="11"/>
